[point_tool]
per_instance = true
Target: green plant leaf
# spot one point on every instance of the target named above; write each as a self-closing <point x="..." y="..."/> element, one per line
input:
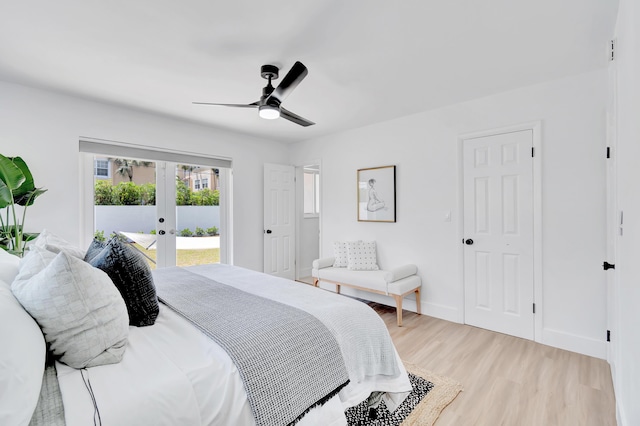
<point x="27" y="187"/>
<point x="12" y="178"/>
<point x="28" y="198"/>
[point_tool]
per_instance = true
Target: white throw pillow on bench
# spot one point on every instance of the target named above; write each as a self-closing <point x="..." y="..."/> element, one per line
<point x="362" y="256"/>
<point x="340" y="254"/>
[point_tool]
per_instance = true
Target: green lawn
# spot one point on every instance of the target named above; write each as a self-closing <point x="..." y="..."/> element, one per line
<point x="187" y="257"/>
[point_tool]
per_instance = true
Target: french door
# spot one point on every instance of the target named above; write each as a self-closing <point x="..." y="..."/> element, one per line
<point x="168" y="211"/>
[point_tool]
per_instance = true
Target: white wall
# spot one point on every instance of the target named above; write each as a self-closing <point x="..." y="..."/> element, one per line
<point x="44" y="128"/>
<point x="626" y="327"/>
<point x="424" y="147"/>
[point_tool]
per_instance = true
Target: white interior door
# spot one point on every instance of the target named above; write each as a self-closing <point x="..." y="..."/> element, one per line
<point x="279" y="220"/>
<point x="498" y="232"/>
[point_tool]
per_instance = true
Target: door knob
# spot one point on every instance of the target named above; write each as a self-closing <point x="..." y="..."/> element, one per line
<point x="161" y="232"/>
<point x="268" y="231"/>
<point x="468" y="241"/>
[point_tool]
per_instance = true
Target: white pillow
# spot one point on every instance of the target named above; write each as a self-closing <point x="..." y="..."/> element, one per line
<point x="22" y="359"/>
<point x="56" y="244"/>
<point x="362" y="256"/>
<point x="340" y="254"/>
<point x="8" y="266"/>
<point x="80" y="311"/>
<point x="34" y="261"/>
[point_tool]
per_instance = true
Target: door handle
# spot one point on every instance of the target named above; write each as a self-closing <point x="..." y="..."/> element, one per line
<point x="468" y="241"/>
<point x="161" y="232"/>
<point x="268" y="231"/>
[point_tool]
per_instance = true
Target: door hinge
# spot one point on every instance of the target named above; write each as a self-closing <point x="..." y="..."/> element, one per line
<point x="608" y="335"/>
<point x="533" y="152"/>
<point x="608" y="152"/>
<point x="612" y="50"/>
<point x="606" y="265"/>
<point x="534" y="308"/>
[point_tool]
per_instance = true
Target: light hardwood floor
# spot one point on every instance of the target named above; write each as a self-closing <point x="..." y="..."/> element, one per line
<point x="507" y="380"/>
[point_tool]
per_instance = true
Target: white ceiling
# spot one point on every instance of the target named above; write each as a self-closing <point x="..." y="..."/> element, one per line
<point x="368" y="60"/>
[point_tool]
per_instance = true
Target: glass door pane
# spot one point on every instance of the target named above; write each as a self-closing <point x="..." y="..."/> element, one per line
<point x="125" y="202"/>
<point x="197" y="214"/>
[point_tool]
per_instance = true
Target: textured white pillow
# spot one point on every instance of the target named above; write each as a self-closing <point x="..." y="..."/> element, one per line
<point x="34" y="261"/>
<point x="80" y="311"/>
<point x="340" y="254"/>
<point x="8" y="266"/>
<point x="362" y="256"/>
<point x="22" y="359"/>
<point x="56" y="244"/>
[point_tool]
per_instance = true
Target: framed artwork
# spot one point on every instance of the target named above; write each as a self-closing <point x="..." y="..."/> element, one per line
<point x="377" y="194"/>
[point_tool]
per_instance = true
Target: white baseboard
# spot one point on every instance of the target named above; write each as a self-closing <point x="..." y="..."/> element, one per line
<point x="441" y="311"/>
<point x="572" y="342"/>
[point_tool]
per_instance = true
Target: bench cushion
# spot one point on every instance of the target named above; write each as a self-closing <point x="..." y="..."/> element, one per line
<point x="374" y="280"/>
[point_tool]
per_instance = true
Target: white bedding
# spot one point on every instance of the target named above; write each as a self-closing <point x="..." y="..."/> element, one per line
<point x="172" y="374"/>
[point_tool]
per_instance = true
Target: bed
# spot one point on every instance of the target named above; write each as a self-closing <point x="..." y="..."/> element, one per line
<point x="174" y="373"/>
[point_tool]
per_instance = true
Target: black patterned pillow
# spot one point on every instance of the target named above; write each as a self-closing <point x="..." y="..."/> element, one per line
<point x="131" y="274"/>
<point x="95" y="248"/>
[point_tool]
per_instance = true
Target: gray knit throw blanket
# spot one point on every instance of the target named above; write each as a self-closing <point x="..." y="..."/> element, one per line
<point x="288" y="360"/>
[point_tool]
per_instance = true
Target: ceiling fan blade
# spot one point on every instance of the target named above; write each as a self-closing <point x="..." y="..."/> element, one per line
<point x="295" y="118"/>
<point x="253" y="105"/>
<point x="295" y="75"/>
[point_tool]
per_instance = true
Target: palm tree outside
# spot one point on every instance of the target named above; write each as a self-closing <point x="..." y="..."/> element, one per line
<point x="126" y="166"/>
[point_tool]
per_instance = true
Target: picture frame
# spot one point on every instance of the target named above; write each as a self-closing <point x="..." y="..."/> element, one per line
<point x="377" y="194"/>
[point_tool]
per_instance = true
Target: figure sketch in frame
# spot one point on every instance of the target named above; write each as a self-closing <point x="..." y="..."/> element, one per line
<point x="374" y="204"/>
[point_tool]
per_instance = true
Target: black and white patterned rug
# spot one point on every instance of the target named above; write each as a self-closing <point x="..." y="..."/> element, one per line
<point x="361" y="415"/>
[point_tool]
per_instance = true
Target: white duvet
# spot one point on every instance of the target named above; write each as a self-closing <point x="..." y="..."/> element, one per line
<point x="172" y="374"/>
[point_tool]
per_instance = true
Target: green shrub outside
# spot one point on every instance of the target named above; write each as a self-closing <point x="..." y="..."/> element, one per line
<point x="127" y="194"/>
<point x="131" y="194"/>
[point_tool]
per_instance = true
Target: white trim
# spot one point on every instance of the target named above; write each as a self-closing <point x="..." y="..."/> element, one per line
<point x="536" y="128"/>
<point x="87" y="219"/>
<point x="226" y="215"/>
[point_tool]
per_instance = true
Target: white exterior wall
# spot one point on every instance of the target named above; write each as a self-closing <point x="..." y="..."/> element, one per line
<point x="424" y="147"/>
<point x="44" y="128"/>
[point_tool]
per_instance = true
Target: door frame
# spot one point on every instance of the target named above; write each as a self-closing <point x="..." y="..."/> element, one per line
<point x="536" y="128"/>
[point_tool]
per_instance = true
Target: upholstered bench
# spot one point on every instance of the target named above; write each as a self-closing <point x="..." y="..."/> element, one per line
<point x="397" y="282"/>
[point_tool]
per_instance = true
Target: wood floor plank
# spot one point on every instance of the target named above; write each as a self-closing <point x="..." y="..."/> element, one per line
<point x="507" y="380"/>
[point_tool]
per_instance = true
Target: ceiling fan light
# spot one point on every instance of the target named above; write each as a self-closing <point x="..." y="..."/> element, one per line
<point x="269" y="112"/>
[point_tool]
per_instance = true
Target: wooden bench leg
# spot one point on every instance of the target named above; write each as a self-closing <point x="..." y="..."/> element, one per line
<point x="399" y="309"/>
<point x="338" y="288"/>
<point x="315" y="282"/>
<point x="418" y="300"/>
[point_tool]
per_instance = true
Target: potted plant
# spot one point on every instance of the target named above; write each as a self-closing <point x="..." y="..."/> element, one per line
<point x="16" y="188"/>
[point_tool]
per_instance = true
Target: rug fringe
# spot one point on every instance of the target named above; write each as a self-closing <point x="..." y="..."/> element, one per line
<point x="429" y="409"/>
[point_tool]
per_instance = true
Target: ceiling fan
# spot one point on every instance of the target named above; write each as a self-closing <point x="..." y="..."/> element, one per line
<point x="269" y="104"/>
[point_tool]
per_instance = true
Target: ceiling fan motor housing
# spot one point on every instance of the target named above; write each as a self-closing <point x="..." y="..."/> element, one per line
<point x="269" y="72"/>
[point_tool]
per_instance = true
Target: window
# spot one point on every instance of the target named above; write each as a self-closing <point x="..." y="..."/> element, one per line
<point x="101" y="168"/>
<point x="205" y="183"/>
<point x="196" y="184"/>
<point x="311" y="192"/>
